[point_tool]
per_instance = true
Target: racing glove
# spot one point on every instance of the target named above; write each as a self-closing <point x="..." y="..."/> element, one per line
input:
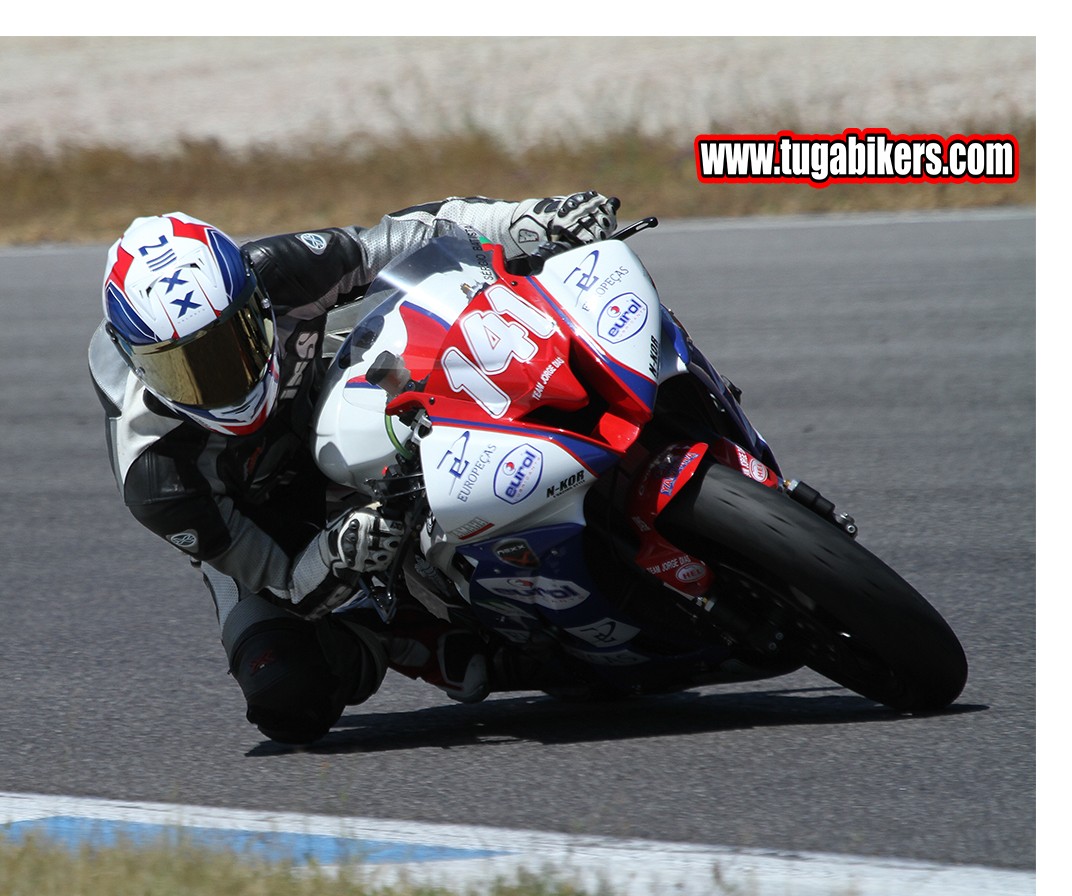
<point x="363" y="541"/>
<point x="580" y="218"/>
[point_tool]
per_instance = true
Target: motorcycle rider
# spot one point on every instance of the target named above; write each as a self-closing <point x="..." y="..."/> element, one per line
<point x="208" y="365"/>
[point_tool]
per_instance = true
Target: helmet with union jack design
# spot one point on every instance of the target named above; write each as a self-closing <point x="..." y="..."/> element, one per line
<point x="183" y="305"/>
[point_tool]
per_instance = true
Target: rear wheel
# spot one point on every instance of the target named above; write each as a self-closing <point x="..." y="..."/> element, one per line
<point x="784" y="569"/>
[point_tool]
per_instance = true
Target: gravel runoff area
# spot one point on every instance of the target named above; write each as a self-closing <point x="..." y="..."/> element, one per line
<point x="147" y="92"/>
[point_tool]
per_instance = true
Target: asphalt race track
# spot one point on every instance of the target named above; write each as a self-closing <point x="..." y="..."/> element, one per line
<point x="889" y="360"/>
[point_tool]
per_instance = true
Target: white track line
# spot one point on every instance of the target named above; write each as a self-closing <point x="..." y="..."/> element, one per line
<point x="464" y="856"/>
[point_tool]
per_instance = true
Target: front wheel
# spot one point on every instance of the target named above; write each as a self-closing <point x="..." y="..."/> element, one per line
<point x="851" y="617"/>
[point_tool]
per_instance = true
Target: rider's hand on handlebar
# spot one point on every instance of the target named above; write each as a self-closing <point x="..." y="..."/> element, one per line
<point x="364" y="541"/>
<point x="577" y="219"/>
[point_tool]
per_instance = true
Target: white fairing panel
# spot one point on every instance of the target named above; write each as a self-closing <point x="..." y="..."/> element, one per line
<point x="482" y="482"/>
<point x="350" y="443"/>
<point x="609" y="293"/>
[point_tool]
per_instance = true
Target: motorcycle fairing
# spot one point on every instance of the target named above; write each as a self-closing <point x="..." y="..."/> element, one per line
<point x="534" y="390"/>
<point x="614" y="315"/>
<point x="515" y="353"/>
<point x="553" y="586"/>
<point x="516" y="475"/>
<point x="561" y="595"/>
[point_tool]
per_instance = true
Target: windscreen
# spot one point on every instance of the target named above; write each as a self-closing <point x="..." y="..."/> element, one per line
<point x="429" y="277"/>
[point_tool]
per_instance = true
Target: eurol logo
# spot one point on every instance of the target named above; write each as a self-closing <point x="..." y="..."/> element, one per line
<point x="554" y="594"/>
<point x="622" y="317"/>
<point x="518" y="474"/>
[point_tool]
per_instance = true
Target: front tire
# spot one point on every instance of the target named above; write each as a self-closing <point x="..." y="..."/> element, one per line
<point x="851" y="617"/>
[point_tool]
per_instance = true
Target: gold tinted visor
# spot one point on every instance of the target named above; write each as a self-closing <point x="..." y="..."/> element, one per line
<point x="216" y="367"/>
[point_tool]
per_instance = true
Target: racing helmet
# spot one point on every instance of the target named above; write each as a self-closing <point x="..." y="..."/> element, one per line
<point x="183" y="305"/>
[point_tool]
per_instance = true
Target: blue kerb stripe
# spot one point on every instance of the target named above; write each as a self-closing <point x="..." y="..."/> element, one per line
<point x="74" y="832"/>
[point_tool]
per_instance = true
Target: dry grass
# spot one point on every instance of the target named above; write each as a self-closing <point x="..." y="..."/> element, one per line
<point x="173" y="868"/>
<point x="90" y="195"/>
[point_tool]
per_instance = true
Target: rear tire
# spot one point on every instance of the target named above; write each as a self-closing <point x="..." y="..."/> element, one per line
<point x="851" y="617"/>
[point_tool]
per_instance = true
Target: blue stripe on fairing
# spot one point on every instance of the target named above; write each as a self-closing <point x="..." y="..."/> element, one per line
<point x="681" y="348"/>
<point x="73" y="832"/>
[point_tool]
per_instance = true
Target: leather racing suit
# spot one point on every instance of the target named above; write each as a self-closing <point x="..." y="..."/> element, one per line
<point x="250" y="511"/>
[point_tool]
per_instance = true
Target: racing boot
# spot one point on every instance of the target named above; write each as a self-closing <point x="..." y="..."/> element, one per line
<point x="454" y="660"/>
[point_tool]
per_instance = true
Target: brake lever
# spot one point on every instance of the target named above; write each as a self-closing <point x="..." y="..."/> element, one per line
<point x="633" y="229"/>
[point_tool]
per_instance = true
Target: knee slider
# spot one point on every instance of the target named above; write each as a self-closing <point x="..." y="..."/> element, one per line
<point x="292" y="694"/>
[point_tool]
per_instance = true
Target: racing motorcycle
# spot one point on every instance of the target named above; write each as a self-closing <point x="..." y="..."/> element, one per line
<point x="580" y="486"/>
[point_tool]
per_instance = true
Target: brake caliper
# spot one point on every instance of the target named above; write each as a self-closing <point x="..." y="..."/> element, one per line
<point x="809" y="497"/>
